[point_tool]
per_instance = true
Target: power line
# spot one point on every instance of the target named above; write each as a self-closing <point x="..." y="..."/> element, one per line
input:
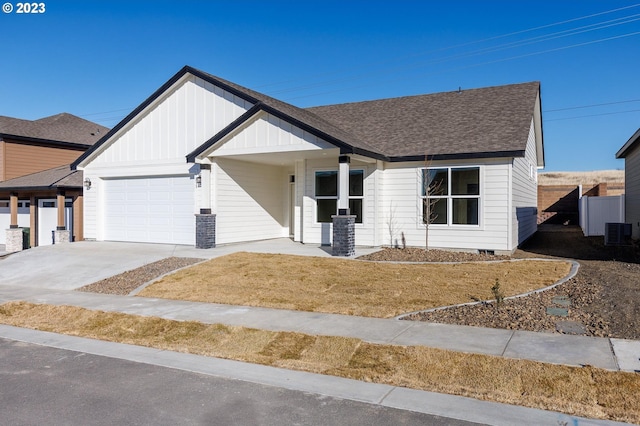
<point x="464" y="44"/>
<point x="592" y="105"/>
<point x="592" y="115"/>
<point x="105" y="112"/>
<point x="481" y="63"/>
<point x="510" y="45"/>
<point x="532" y="40"/>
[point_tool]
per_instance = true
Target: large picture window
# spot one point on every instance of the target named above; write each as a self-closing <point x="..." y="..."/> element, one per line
<point x="326" y="187"/>
<point x="450" y="196"/>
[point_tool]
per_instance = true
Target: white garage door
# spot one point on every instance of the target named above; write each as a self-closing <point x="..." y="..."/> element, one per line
<point x="150" y="210"/>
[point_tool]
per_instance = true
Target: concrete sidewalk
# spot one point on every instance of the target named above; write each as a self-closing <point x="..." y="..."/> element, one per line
<point x="612" y="354"/>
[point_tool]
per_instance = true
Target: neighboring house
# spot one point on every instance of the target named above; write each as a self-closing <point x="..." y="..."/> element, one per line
<point x="34" y="174"/>
<point x="38" y="197"/>
<point x="631" y="154"/>
<point x="258" y="168"/>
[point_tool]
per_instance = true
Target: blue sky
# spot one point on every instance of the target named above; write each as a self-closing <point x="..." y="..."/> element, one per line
<point x="99" y="59"/>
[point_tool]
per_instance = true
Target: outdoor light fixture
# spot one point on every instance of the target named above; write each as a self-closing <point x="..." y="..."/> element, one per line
<point x="87" y="183"/>
<point x="198" y="181"/>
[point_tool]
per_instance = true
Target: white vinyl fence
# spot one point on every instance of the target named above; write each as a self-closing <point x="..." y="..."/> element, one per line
<point x="596" y="211"/>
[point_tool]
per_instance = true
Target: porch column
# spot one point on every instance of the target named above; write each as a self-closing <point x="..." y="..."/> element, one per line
<point x="60" y="225"/>
<point x="343" y="223"/>
<point x="13" y="208"/>
<point x="343" y="185"/>
<point x="61" y="234"/>
<point x="14" y="238"/>
<point x="33" y="206"/>
<point x="206" y="219"/>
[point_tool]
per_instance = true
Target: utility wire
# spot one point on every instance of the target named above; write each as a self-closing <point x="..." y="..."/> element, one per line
<point x="591" y="105"/>
<point x="393" y="60"/>
<point x="591" y="115"/>
<point x="511" y="45"/>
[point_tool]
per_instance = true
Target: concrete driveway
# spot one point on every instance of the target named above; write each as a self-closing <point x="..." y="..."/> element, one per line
<point x="70" y="266"/>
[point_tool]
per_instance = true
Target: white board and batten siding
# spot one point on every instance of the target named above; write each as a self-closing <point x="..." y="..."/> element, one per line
<point x="268" y="134"/>
<point x="249" y="199"/>
<point x="632" y="190"/>
<point x="252" y="199"/>
<point x="173" y="126"/>
<point x="402" y="208"/>
<point x="154" y="146"/>
<point x="524" y="214"/>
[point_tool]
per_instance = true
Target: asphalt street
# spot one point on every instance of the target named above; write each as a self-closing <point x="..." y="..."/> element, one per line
<point x="45" y="385"/>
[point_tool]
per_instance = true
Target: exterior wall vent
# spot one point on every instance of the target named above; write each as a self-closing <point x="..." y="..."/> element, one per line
<point x="616" y="234"/>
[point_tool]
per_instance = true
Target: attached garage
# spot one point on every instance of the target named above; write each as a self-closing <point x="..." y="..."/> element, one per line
<point x="150" y="210"/>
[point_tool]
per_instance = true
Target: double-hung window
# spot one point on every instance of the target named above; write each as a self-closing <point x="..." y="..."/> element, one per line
<point x="450" y="196"/>
<point x="326" y="191"/>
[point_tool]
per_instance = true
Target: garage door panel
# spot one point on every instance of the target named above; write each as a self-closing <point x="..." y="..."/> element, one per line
<point x="157" y="210"/>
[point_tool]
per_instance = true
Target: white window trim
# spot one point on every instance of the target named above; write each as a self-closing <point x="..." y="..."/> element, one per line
<point x="449" y="197"/>
<point x="363" y="197"/>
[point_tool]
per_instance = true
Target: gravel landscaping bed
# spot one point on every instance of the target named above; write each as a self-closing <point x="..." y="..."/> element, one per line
<point x="125" y="283"/>
<point x="421" y="255"/>
<point x="604" y="297"/>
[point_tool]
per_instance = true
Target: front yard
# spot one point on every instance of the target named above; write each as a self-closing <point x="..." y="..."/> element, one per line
<point x="355" y="288"/>
<point x="349" y="287"/>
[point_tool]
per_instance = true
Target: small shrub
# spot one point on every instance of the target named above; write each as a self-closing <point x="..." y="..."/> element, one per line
<point x="498" y="294"/>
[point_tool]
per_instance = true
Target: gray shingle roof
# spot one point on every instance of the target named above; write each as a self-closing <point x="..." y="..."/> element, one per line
<point x="488" y="122"/>
<point x="475" y="121"/>
<point x="62" y="127"/>
<point x="58" y="177"/>
<point x="304" y="116"/>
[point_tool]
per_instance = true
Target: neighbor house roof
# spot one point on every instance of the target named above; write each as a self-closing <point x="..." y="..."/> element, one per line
<point x="61" y="177"/>
<point x="631" y="144"/>
<point x="476" y="123"/>
<point x="59" y="129"/>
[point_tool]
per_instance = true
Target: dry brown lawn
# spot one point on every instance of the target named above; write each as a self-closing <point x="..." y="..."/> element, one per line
<point x="586" y="391"/>
<point x="349" y="287"/>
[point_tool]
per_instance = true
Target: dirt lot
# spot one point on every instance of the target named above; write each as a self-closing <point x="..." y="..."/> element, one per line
<point x="604" y="296"/>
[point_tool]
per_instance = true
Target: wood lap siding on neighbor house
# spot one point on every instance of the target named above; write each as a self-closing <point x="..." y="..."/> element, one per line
<point x="21" y="159"/>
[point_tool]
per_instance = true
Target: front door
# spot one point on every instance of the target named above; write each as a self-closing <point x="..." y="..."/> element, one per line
<point x="48" y="219"/>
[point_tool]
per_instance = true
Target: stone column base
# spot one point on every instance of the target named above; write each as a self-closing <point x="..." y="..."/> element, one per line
<point x="61" y="236"/>
<point x="344" y="235"/>
<point x="14" y="242"/>
<point x="205" y="231"/>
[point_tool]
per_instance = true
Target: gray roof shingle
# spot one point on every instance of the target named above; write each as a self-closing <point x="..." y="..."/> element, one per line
<point x="475" y="121"/>
<point x="57" y="177"/>
<point x="62" y="127"/>
<point x="487" y="122"/>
